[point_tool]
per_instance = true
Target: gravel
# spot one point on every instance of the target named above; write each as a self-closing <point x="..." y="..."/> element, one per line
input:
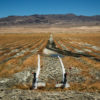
<point x="17" y="94"/>
<point x="23" y="77"/>
<point x="51" y="69"/>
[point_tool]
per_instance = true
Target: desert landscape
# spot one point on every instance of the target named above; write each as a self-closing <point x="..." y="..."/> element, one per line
<point x="49" y="49"/>
<point x="80" y="54"/>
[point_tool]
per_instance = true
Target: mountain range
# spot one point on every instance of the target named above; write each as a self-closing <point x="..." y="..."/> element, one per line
<point x="55" y="20"/>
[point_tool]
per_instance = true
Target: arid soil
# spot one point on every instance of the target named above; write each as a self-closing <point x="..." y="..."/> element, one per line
<point x="18" y="59"/>
<point x="38" y="29"/>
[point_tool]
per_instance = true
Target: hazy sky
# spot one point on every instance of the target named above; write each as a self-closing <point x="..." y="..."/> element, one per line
<point x="30" y="7"/>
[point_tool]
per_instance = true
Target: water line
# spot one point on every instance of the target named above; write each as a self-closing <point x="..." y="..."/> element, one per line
<point x="63" y="69"/>
<point x="38" y="70"/>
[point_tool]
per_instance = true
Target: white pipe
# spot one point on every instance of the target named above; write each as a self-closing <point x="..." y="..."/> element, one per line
<point x="37" y="73"/>
<point x="63" y="69"/>
<point x="38" y="70"/>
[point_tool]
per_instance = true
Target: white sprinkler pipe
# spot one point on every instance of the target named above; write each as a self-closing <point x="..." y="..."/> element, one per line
<point x="37" y="73"/>
<point x="38" y="70"/>
<point x="63" y="69"/>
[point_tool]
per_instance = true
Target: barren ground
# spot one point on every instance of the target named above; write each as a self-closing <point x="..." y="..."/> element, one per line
<point x="81" y="58"/>
<point x="27" y="29"/>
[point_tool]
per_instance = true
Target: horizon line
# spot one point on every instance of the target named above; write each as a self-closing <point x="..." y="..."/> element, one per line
<point x="50" y="14"/>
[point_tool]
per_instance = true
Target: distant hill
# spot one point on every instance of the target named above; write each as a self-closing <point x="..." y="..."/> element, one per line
<point x="55" y="20"/>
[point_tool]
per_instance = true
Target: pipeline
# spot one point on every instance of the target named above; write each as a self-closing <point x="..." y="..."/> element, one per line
<point x="64" y="83"/>
<point x="62" y="65"/>
<point x="38" y="70"/>
<point x="35" y="83"/>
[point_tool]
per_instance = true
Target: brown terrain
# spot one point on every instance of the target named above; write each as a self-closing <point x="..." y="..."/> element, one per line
<point x="21" y="29"/>
<point x="78" y="45"/>
<point x="18" y="59"/>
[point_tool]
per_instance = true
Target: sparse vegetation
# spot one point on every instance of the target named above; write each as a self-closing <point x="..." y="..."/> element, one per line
<point x="19" y="52"/>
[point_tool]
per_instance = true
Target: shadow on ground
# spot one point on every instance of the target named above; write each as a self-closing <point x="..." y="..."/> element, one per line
<point x="69" y="53"/>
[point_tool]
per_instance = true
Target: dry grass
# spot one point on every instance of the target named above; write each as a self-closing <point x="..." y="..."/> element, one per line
<point x="91" y="62"/>
<point x="30" y="61"/>
<point x="95" y="87"/>
<point x="19" y="42"/>
<point x="30" y="29"/>
<point x="58" y="46"/>
<point x="13" y="66"/>
<point x="43" y="45"/>
<point x="22" y="86"/>
<point x="72" y="62"/>
<point x="85" y="69"/>
<point x="10" y="42"/>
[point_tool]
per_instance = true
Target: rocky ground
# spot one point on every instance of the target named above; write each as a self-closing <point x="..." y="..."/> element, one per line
<point x="50" y="73"/>
<point x="16" y="94"/>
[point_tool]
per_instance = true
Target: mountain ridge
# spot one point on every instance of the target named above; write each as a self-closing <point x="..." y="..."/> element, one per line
<point x="51" y="20"/>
